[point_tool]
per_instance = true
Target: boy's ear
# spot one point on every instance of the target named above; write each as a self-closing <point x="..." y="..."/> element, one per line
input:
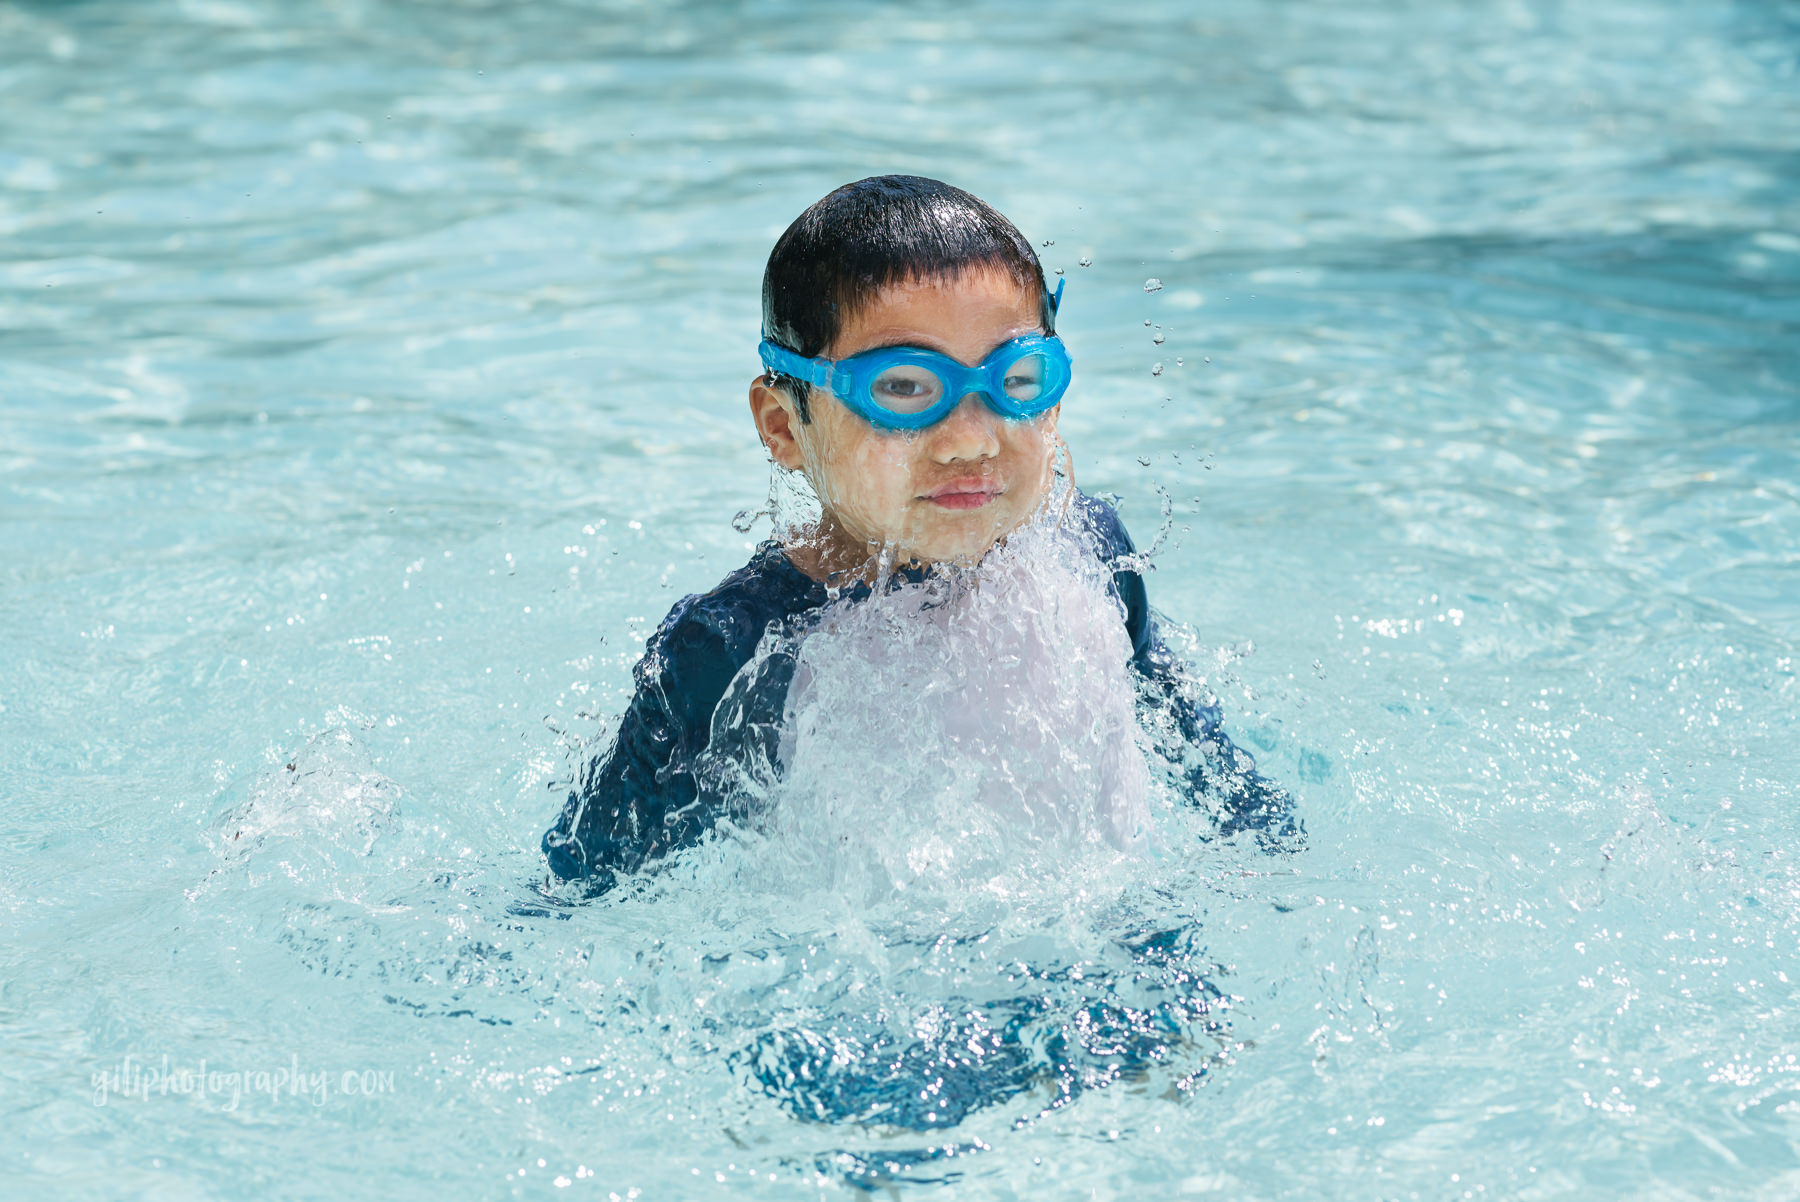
<point x="772" y="410"/>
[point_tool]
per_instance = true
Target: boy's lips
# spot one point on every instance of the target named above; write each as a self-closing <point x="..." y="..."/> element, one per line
<point x="964" y="494"/>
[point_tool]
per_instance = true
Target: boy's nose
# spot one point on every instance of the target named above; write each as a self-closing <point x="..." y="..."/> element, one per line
<point x="969" y="432"/>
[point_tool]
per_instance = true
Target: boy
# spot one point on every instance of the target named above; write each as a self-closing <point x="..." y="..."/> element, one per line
<point x="914" y="378"/>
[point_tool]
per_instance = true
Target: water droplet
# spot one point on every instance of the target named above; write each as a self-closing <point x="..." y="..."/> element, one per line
<point x="1157" y="370"/>
<point x="1158" y="338"/>
<point x="1143" y="461"/>
<point x="1146" y="323"/>
<point x="1152" y="285"/>
<point x="1085" y="262"/>
<point x="1049" y="241"/>
<point x="1177" y="362"/>
<point x="745" y="520"/>
<point x="1059" y="271"/>
<point x="1209" y="358"/>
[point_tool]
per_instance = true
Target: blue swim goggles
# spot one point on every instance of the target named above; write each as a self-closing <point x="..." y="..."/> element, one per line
<point x="909" y="388"/>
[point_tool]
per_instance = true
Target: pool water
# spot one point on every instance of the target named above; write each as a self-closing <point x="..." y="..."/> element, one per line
<point x="371" y="383"/>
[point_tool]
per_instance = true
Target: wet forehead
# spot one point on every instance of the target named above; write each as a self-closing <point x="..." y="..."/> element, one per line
<point x="963" y="316"/>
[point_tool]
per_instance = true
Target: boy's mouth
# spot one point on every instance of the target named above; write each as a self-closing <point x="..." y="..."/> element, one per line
<point x="963" y="494"/>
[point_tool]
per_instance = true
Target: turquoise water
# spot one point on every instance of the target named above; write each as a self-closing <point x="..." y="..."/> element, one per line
<point x="371" y="382"/>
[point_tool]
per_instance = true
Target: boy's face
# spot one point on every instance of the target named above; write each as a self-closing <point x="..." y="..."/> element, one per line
<point x="948" y="491"/>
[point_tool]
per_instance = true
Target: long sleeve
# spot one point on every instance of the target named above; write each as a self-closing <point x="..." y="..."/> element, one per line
<point x="641" y="799"/>
<point x="663" y="783"/>
<point x="1184" y="718"/>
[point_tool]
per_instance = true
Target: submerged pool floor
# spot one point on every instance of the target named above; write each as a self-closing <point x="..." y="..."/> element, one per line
<point x="371" y="383"/>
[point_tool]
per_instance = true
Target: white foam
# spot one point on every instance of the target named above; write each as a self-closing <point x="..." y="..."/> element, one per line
<point x="975" y="730"/>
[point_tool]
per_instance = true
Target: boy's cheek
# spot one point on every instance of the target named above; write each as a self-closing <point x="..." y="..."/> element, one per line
<point x="867" y="493"/>
<point x="870" y="469"/>
<point x="1034" y="457"/>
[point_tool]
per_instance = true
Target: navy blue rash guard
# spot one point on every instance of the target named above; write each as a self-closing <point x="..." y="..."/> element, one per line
<point x="643" y="797"/>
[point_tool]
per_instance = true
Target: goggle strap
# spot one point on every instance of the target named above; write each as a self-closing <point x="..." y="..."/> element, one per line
<point x="1056" y="297"/>
<point x="817" y="372"/>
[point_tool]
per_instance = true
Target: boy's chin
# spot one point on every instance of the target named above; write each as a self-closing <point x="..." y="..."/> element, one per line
<point x="961" y="542"/>
<point x="962" y="553"/>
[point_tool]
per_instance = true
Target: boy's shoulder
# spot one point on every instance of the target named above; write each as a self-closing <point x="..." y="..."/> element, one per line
<point x="728" y="620"/>
<point x="1098" y="519"/>
<point x="1098" y="524"/>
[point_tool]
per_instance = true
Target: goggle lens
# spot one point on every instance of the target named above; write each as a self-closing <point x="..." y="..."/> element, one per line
<point x="1024" y="378"/>
<point x="907" y="388"/>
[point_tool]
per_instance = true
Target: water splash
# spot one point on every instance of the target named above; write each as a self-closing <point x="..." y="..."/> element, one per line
<point x="965" y="730"/>
<point x="327" y="796"/>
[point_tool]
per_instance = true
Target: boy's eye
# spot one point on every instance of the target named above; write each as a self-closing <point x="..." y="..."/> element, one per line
<point x="1025" y="379"/>
<point x="907" y="389"/>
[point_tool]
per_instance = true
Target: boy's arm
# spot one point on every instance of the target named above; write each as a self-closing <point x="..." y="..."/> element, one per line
<point x="1214" y="766"/>
<point x="640" y="799"/>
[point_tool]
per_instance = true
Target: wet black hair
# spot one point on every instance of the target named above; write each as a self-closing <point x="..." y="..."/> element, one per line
<point x="887" y="229"/>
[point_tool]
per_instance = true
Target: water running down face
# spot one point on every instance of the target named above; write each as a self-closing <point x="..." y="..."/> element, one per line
<point x="947" y="492"/>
